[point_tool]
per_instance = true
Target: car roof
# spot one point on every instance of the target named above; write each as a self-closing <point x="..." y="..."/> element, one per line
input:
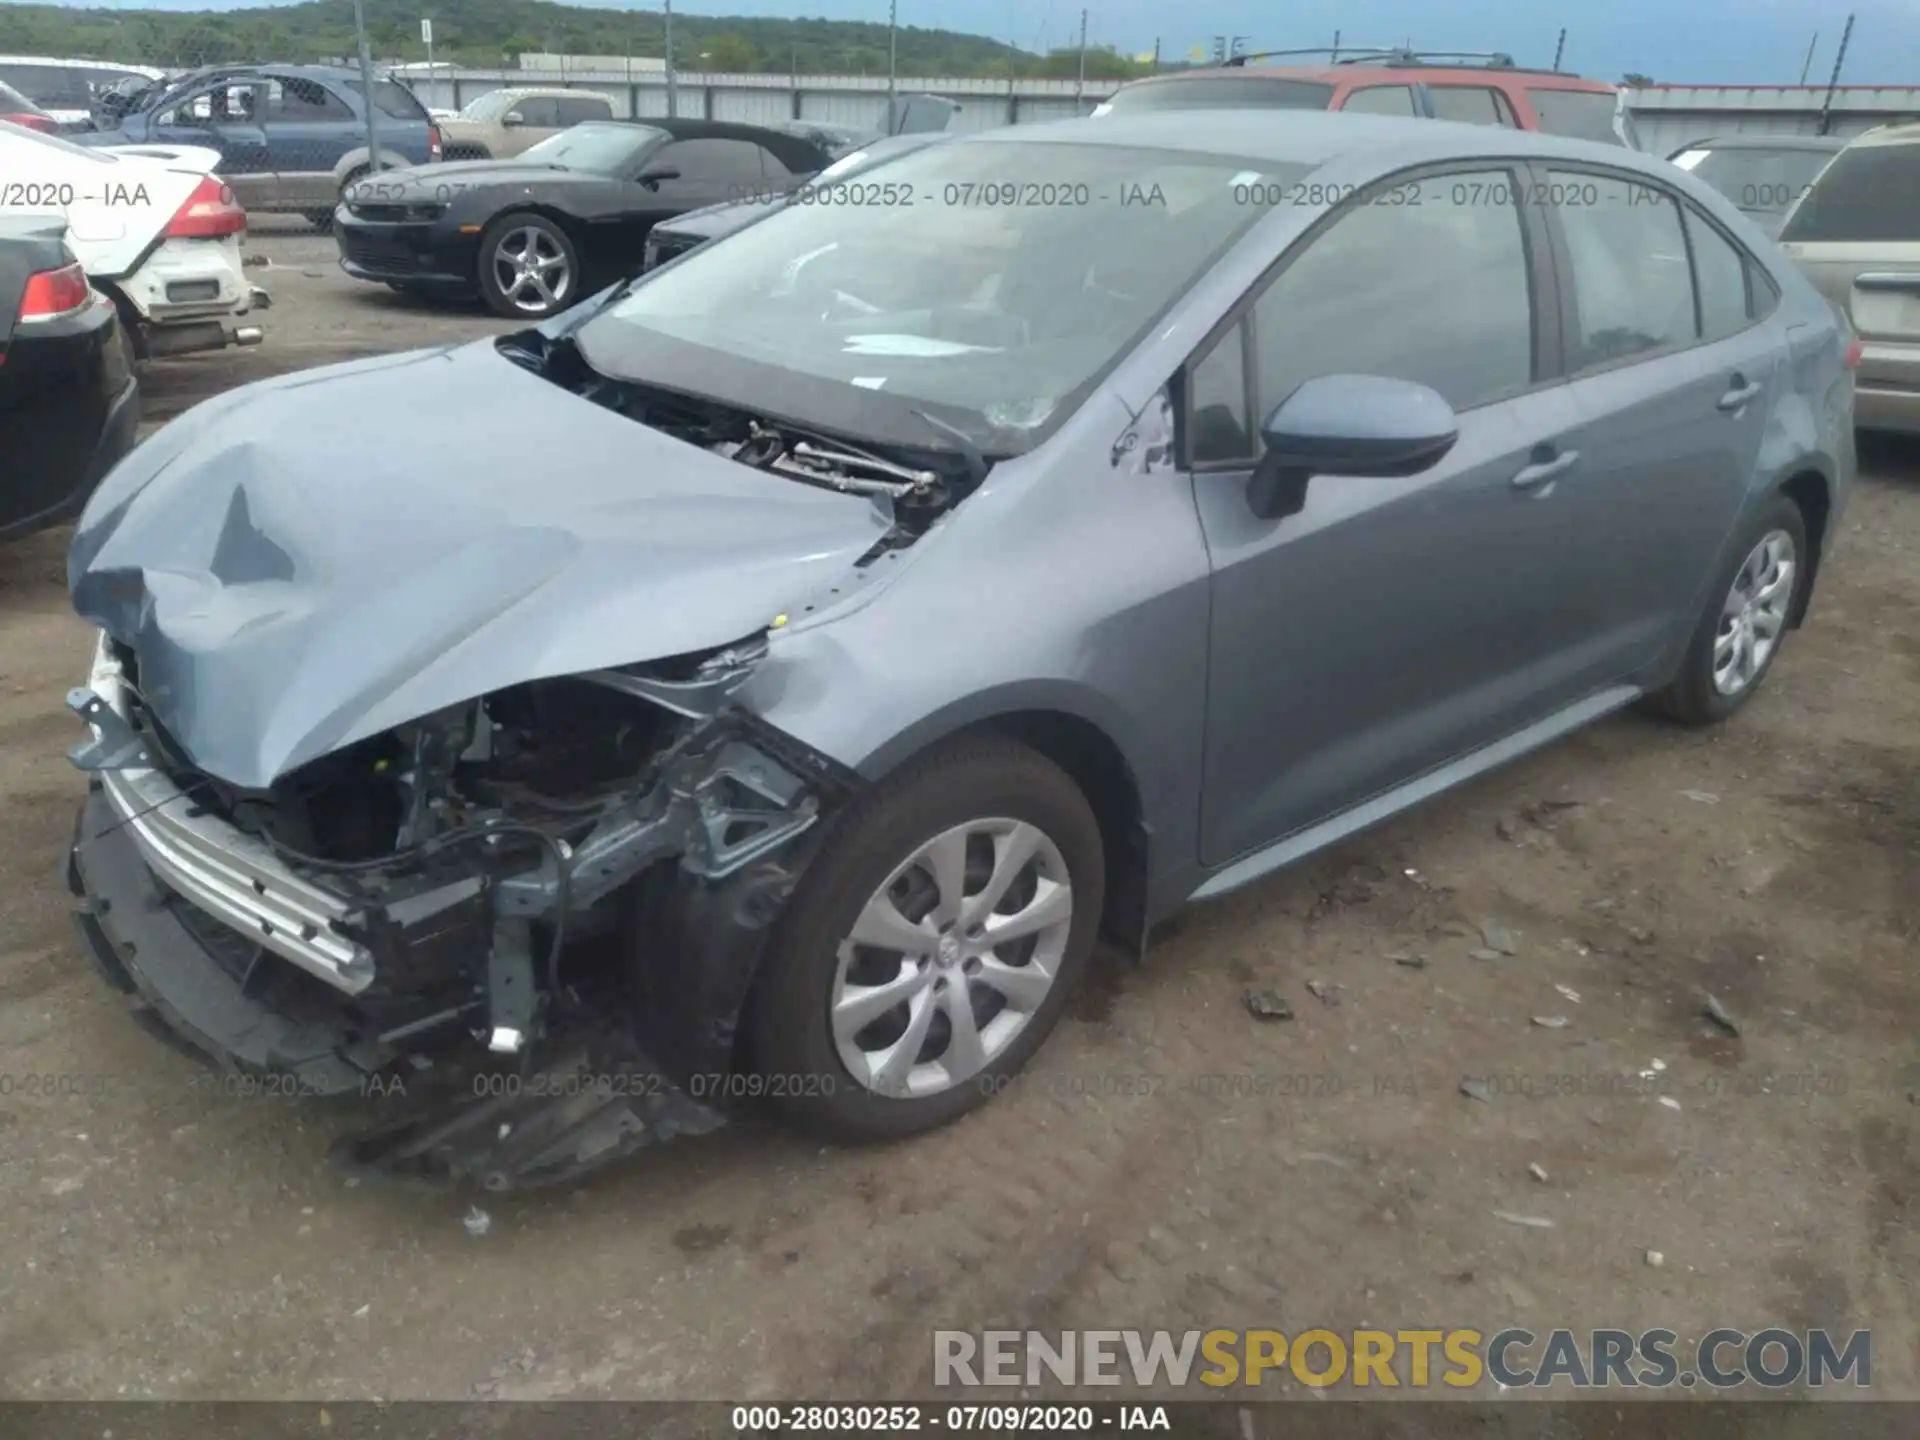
<point x="1315" y="138"/>
<point x="1766" y="142"/>
<point x="1386" y="72"/>
<point x="543" y="92"/>
<point x="785" y="144"/>
<point x="1906" y="132"/>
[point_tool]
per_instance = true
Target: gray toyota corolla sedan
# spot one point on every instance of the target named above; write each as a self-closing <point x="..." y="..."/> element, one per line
<point x="765" y="679"/>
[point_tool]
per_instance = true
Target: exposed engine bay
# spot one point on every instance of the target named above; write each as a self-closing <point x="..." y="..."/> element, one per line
<point x="512" y="879"/>
<point x="920" y="485"/>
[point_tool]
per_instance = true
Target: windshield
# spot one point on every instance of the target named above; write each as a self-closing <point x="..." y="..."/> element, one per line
<point x="1220" y="92"/>
<point x="1763" y="181"/>
<point x="995" y="282"/>
<point x="603" y="148"/>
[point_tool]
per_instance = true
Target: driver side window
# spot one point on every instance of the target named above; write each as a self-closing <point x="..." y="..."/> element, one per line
<point x="1427" y="281"/>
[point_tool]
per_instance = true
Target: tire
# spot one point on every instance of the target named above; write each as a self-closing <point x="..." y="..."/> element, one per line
<point x="1694" y="697"/>
<point x="521" y="232"/>
<point x="791" y="1040"/>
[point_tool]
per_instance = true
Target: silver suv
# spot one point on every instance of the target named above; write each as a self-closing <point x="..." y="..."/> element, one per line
<point x="1856" y="235"/>
<point x="502" y="123"/>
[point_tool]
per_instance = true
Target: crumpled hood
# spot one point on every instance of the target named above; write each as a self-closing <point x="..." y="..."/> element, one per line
<point x="317" y="558"/>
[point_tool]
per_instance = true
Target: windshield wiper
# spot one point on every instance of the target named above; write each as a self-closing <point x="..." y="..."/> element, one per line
<point x="970" y="452"/>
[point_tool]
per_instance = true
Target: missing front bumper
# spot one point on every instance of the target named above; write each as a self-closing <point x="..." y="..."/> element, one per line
<point x="595" y="1097"/>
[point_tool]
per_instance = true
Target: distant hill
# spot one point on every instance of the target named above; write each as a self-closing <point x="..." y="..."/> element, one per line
<point x="492" y="32"/>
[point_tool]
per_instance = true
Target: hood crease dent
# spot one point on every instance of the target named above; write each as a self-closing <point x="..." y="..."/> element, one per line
<point x="464" y="526"/>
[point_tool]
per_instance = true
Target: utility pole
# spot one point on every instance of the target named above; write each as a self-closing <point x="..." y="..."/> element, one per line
<point x="1336" y="47"/>
<point x="1839" y="59"/>
<point x="1560" y="48"/>
<point x="1156" y="55"/>
<point x="1080" y="84"/>
<point x="1807" y="65"/>
<point x="366" y="88"/>
<point x="893" y="49"/>
<point x="673" y="106"/>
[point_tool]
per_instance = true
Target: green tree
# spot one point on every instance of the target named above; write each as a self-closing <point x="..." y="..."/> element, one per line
<point x="730" y="54"/>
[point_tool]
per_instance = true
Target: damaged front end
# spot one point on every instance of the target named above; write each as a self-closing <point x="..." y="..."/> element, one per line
<point x="521" y="928"/>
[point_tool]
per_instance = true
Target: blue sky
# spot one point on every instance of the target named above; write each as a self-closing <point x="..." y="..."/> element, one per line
<point x="1702" y="41"/>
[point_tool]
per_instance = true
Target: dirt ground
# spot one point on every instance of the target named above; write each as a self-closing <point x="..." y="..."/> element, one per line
<point x="158" y="1239"/>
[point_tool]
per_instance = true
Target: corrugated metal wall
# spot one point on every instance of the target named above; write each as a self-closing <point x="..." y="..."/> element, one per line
<point x="1668" y="116"/>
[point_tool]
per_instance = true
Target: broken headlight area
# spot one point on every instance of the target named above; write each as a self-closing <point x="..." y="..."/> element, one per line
<point x="536" y="909"/>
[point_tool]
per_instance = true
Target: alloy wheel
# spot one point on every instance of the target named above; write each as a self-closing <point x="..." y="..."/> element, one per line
<point x="1754" y="614"/>
<point x="531" y="269"/>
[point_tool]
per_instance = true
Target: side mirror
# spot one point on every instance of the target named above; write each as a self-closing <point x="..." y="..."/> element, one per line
<point x="1348" y="425"/>
<point x="513" y="118"/>
<point x="654" y="177"/>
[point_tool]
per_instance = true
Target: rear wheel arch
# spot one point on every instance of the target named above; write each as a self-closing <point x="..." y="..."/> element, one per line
<point x="1812" y="492"/>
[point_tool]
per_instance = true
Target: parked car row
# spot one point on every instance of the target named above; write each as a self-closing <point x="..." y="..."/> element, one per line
<point x="69" y="402"/>
<point x="806" y="675"/>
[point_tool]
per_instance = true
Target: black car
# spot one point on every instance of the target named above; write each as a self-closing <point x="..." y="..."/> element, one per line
<point x="538" y="232"/>
<point x="671" y="239"/>
<point x="69" y="404"/>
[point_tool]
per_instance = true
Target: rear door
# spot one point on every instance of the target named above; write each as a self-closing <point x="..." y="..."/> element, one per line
<point x="1675" y="360"/>
<point x="1856" y="236"/>
<point x="309" y="129"/>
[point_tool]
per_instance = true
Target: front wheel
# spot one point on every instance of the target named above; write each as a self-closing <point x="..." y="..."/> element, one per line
<point x="529" y="269"/>
<point x="931" y="945"/>
<point x="1739" y="634"/>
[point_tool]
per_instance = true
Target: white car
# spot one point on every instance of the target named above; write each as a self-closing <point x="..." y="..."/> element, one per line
<point x="66" y="89"/>
<point x="155" y="228"/>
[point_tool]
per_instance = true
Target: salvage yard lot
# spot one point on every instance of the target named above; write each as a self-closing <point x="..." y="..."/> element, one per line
<point x="1170" y="1162"/>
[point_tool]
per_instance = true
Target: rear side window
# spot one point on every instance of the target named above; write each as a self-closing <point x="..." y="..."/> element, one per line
<point x="1222" y="92"/>
<point x="573" y="111"/>
<point x="394" y="99"/>
<point x="1470" y="105"/>
<point x="1581" y="114"/>
<point x="1720" y="277"/>
<point x="1632" y="284"/>
<point x="539" y="111"/>
<point x="1381" y="100"/>
<point x="294" y="99"/>
<point x="1869" y="192"/>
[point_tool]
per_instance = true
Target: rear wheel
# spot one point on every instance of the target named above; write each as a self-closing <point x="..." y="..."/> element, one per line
<point x="931" y="945"/>
<point x="1739" y="634"/>
<point x="529" y="269"/>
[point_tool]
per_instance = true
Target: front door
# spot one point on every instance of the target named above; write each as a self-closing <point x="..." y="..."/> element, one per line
<point x="228" y="117"/>
<point x="1390" y="625"/>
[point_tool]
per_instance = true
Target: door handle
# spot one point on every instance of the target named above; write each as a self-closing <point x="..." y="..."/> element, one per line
<point x="1739" y="395"/>
<point x="1541" y="471"/>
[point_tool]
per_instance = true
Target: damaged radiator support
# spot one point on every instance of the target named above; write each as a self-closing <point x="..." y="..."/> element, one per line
<point x="693" y="813"/>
